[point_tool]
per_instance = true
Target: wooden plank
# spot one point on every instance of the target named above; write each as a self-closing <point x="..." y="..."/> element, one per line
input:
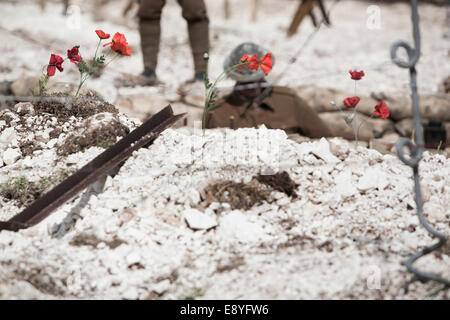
<point x="226" y="9"/>
<point x="304" y="9"/>
<point x="326" y="18"/>
<point x="255" y="10"/>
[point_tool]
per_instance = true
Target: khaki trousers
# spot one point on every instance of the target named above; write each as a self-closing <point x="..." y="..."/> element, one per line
<point x="193" y="11"/>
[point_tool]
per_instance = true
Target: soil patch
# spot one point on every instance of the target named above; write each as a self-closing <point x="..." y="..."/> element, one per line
<point x="22" y="191"/>
<point x="281" y="182"/>
<point x="25" y="192"/>
<point x="244" y="196"/>
<point x="92" y="240"/>
<point x="102" y="136"/>
<point x="41" y="280"/>
<point x="64" y="107"/>
<point x="28" y="147"/>
<point x="238" y="195"/>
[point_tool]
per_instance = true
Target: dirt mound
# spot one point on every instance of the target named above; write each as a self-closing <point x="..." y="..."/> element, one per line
<point x="100" y="130"/>
<point x="64" y="107"/>
<point x="86" y="239"/>
<point x="246" y="195"/>
<point x="238" y="195"/>
<point x="24" y="192"/>
<point x="281" y="182"/>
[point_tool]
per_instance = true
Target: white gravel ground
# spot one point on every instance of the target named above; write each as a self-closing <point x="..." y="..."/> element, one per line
<point x="345" y="237"/>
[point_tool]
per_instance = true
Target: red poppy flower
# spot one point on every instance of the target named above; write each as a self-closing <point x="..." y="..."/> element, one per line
<point x="102" y="35"/>
<point x="351" y="102"/>
<point x="356" y="75"/>
<point x="243" y="60"/>
<point x="119" y="44"/>
<point x="253" y="63"/>
<point x="381" y="110"/>
<point x="74" y="56"/>
<point x="267" y="63"/>
<point x="54" y="63"/>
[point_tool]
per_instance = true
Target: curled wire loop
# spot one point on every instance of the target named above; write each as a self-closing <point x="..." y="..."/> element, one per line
<point x="413" y="53"/>
<point x="416" y="151"/>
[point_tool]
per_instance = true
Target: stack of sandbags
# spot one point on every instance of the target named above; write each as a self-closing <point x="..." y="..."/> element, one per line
<point x="398" y="124"/>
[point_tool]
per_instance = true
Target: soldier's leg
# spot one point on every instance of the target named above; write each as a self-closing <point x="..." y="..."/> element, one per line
<point x="194" y="11"/>
<point x="150" y="30"/>
<point x="66" y="6"/>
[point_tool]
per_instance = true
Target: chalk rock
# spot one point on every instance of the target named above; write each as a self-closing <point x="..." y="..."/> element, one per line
<point x="235" y="225"/>
<point x="436" y="213"/>
<point x="6" y="137"/>
<point x="161" y="287"/>
<point x="11" y="155"/>
<point x="339" y="147"/>
<point x="304" y="148"/>
<point x="344" y="184"/>
<point x="197" y="220"/>
<point x="115" y="204"/>
<point x="371" y="179"/>
<point x="28" y="162"/>
<point x="322" y="150"/>
<point x="24" y="108"/>
<point x="133" y="258"/>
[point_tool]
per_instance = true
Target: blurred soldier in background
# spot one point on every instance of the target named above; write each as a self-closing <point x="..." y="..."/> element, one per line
<point x="194" y="11"/>
<point x="251" y="105"/>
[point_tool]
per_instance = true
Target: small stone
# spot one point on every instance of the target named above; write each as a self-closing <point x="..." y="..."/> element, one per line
<point x="133" y="258"/>
<point x="194" y="196"/>
<point x="27" y="162"/>
<point x="344" y="184"/>
<point x="52" y="143"/>
<point x="235" y="225"/>
<point x="7" y="137"/>
<point x="197" y="220"/>
<point x="116" y="204"/>
<point x="10" y="156"/>
<point x="322" y="150"/>
<point x="283" y="201"/>
<point x="161" y="287"/>
<point x="24" y="108"/>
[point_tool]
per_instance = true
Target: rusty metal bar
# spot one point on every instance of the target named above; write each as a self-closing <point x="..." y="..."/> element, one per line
<point x="110" y="158"/>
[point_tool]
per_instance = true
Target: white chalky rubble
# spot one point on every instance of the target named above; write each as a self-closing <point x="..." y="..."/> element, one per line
<point x="196" y="220"/>
<point x="345" y="236"/>
<point x="11" y="155"/>
<point x="352" y="221"/>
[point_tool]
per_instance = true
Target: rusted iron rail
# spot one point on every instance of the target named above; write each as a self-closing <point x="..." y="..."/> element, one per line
<point x="99" y="166"/>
